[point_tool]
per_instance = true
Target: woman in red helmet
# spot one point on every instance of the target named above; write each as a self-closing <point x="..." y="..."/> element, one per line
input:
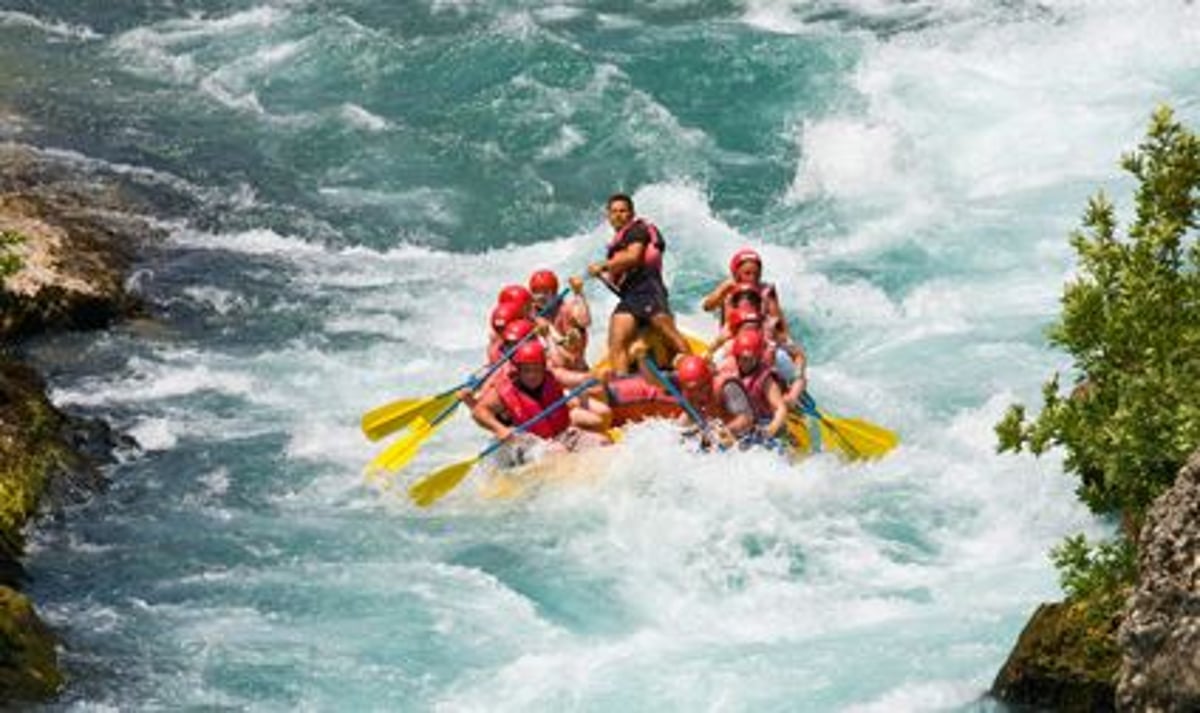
<point x="566" y="324"/>
<point x="523" y="394"/>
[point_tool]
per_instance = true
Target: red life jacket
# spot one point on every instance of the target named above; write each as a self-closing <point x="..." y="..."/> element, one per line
<point x="652" y="256"/>
<point x="711" y="404"/>
<point x="495" y="350"/>
<point x="755" y="385"/>
<point x="768" y="295"/>
<point x="521" y="406"/>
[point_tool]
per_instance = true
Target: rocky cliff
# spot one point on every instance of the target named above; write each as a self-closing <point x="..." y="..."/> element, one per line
<point x="1145" y="659"/>
<point x="1160" y="636"/>
<point x="75" y="238"/>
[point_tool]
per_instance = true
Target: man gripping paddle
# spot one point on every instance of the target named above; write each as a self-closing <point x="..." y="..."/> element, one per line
<point x="522" y="396"/>
<point x="634" y="269"/>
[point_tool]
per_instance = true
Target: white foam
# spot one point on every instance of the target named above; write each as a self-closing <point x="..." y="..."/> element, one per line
<point x="848" y="159"/>
<point x="360" y="118"/>
<point x="223" y="302"/>
<point x="154" y="434"/>
<point x="12" y="18"/>
<point x="923" y="696"/>
<point x="152" y="381"/>
<point x="569" y="138"/>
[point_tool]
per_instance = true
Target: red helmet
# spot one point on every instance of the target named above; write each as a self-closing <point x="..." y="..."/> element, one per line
<point x="749" y="343"/>
<point x="517" y="330"/>
<point x="543" y="281"/>
<point x="504" y="313"/>
<point x="693" y="370"/>
<point x="742" y="316"/>
<point x="740" y="257"/>
<point x="531" y="352"/>
<point x="515" y="294"/>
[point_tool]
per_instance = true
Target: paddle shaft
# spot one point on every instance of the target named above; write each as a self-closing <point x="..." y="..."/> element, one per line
<point x="540" y="417"/>
<point x="676" y="393"/>
<point x="474" y="382"/>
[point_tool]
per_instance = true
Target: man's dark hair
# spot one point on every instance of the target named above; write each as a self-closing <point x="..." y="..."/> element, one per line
<point x="619" y="197"/>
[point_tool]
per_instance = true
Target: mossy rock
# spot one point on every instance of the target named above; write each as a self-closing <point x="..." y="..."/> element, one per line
<point x="1065" y="659"/>
<point x="28" y="655"/>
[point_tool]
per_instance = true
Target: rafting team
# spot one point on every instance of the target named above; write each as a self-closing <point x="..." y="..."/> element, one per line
<point x="741" y="386"/>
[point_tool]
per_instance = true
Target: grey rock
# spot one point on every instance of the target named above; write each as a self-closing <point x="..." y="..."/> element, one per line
<point x="1160" y="637"/>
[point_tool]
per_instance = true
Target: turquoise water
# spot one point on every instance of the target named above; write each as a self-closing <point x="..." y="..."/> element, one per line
<point x="346" y="184"/>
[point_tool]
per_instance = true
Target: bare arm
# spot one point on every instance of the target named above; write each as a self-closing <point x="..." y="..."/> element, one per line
<point x="487" y="412"/>
<point x="778" y="407"/>
<point x="580" y="313"/>
<point x="716" y="298"/>
<point x="626" y="258"/>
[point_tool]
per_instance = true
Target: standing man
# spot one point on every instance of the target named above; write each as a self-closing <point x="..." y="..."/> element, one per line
<point x="634" y="268"/>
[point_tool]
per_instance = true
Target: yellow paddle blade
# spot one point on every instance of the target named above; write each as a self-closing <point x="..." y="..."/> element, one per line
<point x="867" y="431"/>
<point x="833" y="441"/>
<point x="698" y="346"/>
<point x="797" y="428"/>
<point x="389" y="418"/>
<point x="400" y="453"/>
<point x="867" y="439"/>
<point x="433" y="487"/>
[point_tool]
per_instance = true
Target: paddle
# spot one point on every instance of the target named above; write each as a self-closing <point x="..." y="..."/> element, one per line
<point x="433" y="487"/>
<point x="857" y="438"/>
<point x="392" y="417"/>
<point x="676" y="394"/>
<point x="398" y="455"/>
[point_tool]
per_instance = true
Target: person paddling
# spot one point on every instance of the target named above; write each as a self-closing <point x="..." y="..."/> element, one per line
<point x="523" y="394"/>
<point x="634" y="268"/>
<point x="759" y="380"/>
<point x="720" y="399"/>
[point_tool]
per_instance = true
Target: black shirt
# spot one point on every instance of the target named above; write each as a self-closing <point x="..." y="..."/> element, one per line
<point x="640" y="278"/>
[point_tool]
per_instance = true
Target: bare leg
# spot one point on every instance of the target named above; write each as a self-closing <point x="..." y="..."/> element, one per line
<point x="592" y="415"/>
<point x="622" y="328"/>
<point x="664" y="323"/>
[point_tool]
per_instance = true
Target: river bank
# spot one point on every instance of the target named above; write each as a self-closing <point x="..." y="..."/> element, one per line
<point x="75" y="238"/>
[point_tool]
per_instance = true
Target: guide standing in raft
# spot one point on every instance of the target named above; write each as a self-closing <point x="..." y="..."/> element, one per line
<point x="634" y="268"/>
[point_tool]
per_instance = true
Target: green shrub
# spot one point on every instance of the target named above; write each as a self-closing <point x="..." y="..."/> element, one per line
<point x="1131" y="324"/>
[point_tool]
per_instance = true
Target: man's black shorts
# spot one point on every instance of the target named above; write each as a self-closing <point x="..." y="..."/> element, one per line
<point x="644" y="302"/>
